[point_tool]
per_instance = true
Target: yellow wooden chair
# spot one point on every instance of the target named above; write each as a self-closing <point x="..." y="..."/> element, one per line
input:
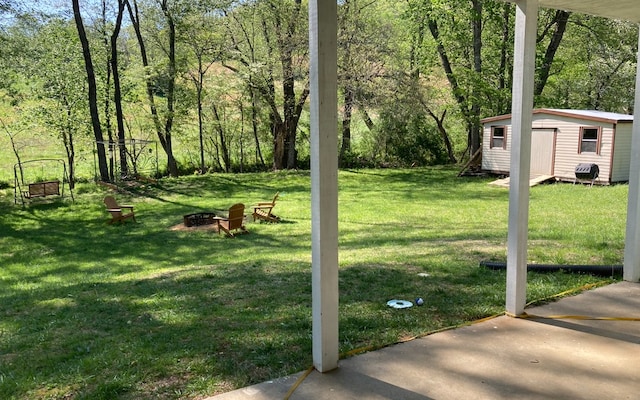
<point x="119" y="213"/>
<point x="233" y="222"/>
<point x="264" y="210"/>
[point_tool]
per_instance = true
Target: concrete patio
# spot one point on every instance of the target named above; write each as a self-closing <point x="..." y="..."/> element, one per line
<point x="500" y="358"/>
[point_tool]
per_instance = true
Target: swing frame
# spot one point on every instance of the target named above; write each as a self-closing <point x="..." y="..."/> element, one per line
<point x="40" y="189"/>
<point x="134" y="149"/>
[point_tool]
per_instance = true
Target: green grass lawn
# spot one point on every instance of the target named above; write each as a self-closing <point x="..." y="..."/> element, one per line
<point x="140" y="311"/>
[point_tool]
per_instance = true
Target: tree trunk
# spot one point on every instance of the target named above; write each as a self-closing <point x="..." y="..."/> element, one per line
<point x="16" y="152"/>
<point x="254" y="125"/>
<point x="560" y="20"/>
<point x="290" y="145"/>
<point x="165" y="141"/>
<point x="241" y="141"/>
<point x="223" y="142"/>
<point x="107" y="122"/>
<point x="117" y="94"/>
<point x="345" y="148"/>
<point x="474" y="133"/>
<point x="291" y="109"/>
<point x="216" y="155"/>
<point x="279" y="135"/>
<point x="444" y="134"/>
<point x="283" y="124"/>
<point x="70" y="149"/>
<point x="470" y="108"/>
<point x="198" y="81"/>
<point x="93" y="92"/>
<point x="107" y="95"/>
<point x="203" y="166"/>
<point x="367" y="119"/>
<point x="289" y="129"/>
<point x="168" y="127"/>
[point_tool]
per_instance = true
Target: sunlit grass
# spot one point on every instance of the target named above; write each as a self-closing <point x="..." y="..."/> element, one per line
<point x="139" y="311"/>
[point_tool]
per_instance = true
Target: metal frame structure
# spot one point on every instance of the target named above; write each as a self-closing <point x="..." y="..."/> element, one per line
<point x="135" y="148"/>
<point x="19" y="184"/>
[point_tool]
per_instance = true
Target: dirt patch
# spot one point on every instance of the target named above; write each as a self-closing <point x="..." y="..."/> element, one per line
<point x="207" y="227"/>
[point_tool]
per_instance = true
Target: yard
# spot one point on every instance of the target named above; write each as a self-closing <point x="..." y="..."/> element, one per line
<point x="140" y="311"/>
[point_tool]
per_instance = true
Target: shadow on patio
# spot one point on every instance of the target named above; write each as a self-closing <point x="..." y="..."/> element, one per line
<point x="562" y="356"/>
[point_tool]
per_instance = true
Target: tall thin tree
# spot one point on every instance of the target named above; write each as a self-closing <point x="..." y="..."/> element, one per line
<point x="117" y="91"/>
<point x="92" y="92"/>
<point x="163" y="133"/>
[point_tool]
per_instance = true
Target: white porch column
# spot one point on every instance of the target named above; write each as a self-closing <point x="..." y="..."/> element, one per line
<point x="632" y="237"/>
<point x="324" y="181"/>
<point x="521" y="111"/>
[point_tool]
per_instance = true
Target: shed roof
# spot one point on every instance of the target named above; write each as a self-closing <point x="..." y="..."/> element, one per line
<point x="624" y="10"/>
<point x="591" y="115"/>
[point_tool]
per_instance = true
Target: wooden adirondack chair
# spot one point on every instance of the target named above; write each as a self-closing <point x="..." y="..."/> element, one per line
<point x="119" y="213"/>
<point x="233" y="222"/>
<point x="264" y="210"/>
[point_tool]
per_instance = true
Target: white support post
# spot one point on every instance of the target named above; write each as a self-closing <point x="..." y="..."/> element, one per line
<point x="521" y="112"/>
<point x="324" y="181"/>
<point x="632" y="238"/>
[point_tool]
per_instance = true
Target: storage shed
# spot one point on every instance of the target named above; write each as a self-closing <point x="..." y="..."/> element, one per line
<point x="561" y="140"/>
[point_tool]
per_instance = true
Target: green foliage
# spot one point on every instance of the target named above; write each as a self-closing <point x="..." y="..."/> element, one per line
<point x="595" y="67"/>
<point x="409" y="139"/>
<point x="353" y="159"/>
<point x="249" y="52"/>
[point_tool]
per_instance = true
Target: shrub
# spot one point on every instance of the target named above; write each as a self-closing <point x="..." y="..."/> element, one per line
<point x="409" y="139"/>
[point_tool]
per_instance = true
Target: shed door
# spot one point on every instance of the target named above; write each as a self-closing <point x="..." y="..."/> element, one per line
<point x="542" y="150"/>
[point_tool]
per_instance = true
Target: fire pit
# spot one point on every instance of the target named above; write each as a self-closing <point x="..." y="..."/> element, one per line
<point x="197" y="219"/>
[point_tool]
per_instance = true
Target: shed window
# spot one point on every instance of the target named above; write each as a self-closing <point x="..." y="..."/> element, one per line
<point x="498" y="137"/>
<point x="590" y="140"/>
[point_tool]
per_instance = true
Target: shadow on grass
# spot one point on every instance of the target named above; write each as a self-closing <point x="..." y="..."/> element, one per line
<point x="130" y="335"/>
<point x="217" y="186"/>
<point x="240" y="323"/>
<point x="138" y="311"/>
<point x="177" y="311"/>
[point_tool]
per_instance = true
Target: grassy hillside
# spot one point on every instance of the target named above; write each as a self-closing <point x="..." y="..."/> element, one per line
<point x="142" y="311"/>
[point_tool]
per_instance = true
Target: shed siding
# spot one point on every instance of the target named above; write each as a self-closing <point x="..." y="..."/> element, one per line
<point x="612" y="163"/>
<point x="496" y="160"/>
<point x="621" y="153"/>
<point x="568" y="142"/>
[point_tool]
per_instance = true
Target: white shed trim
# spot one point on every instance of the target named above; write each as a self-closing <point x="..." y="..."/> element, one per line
<point x="592" y="115"/>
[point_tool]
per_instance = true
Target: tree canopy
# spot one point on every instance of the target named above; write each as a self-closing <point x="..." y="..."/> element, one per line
<point x="223" y="85"/>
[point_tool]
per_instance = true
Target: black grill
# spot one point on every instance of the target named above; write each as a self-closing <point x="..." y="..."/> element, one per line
<point x="587" y="171"/>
